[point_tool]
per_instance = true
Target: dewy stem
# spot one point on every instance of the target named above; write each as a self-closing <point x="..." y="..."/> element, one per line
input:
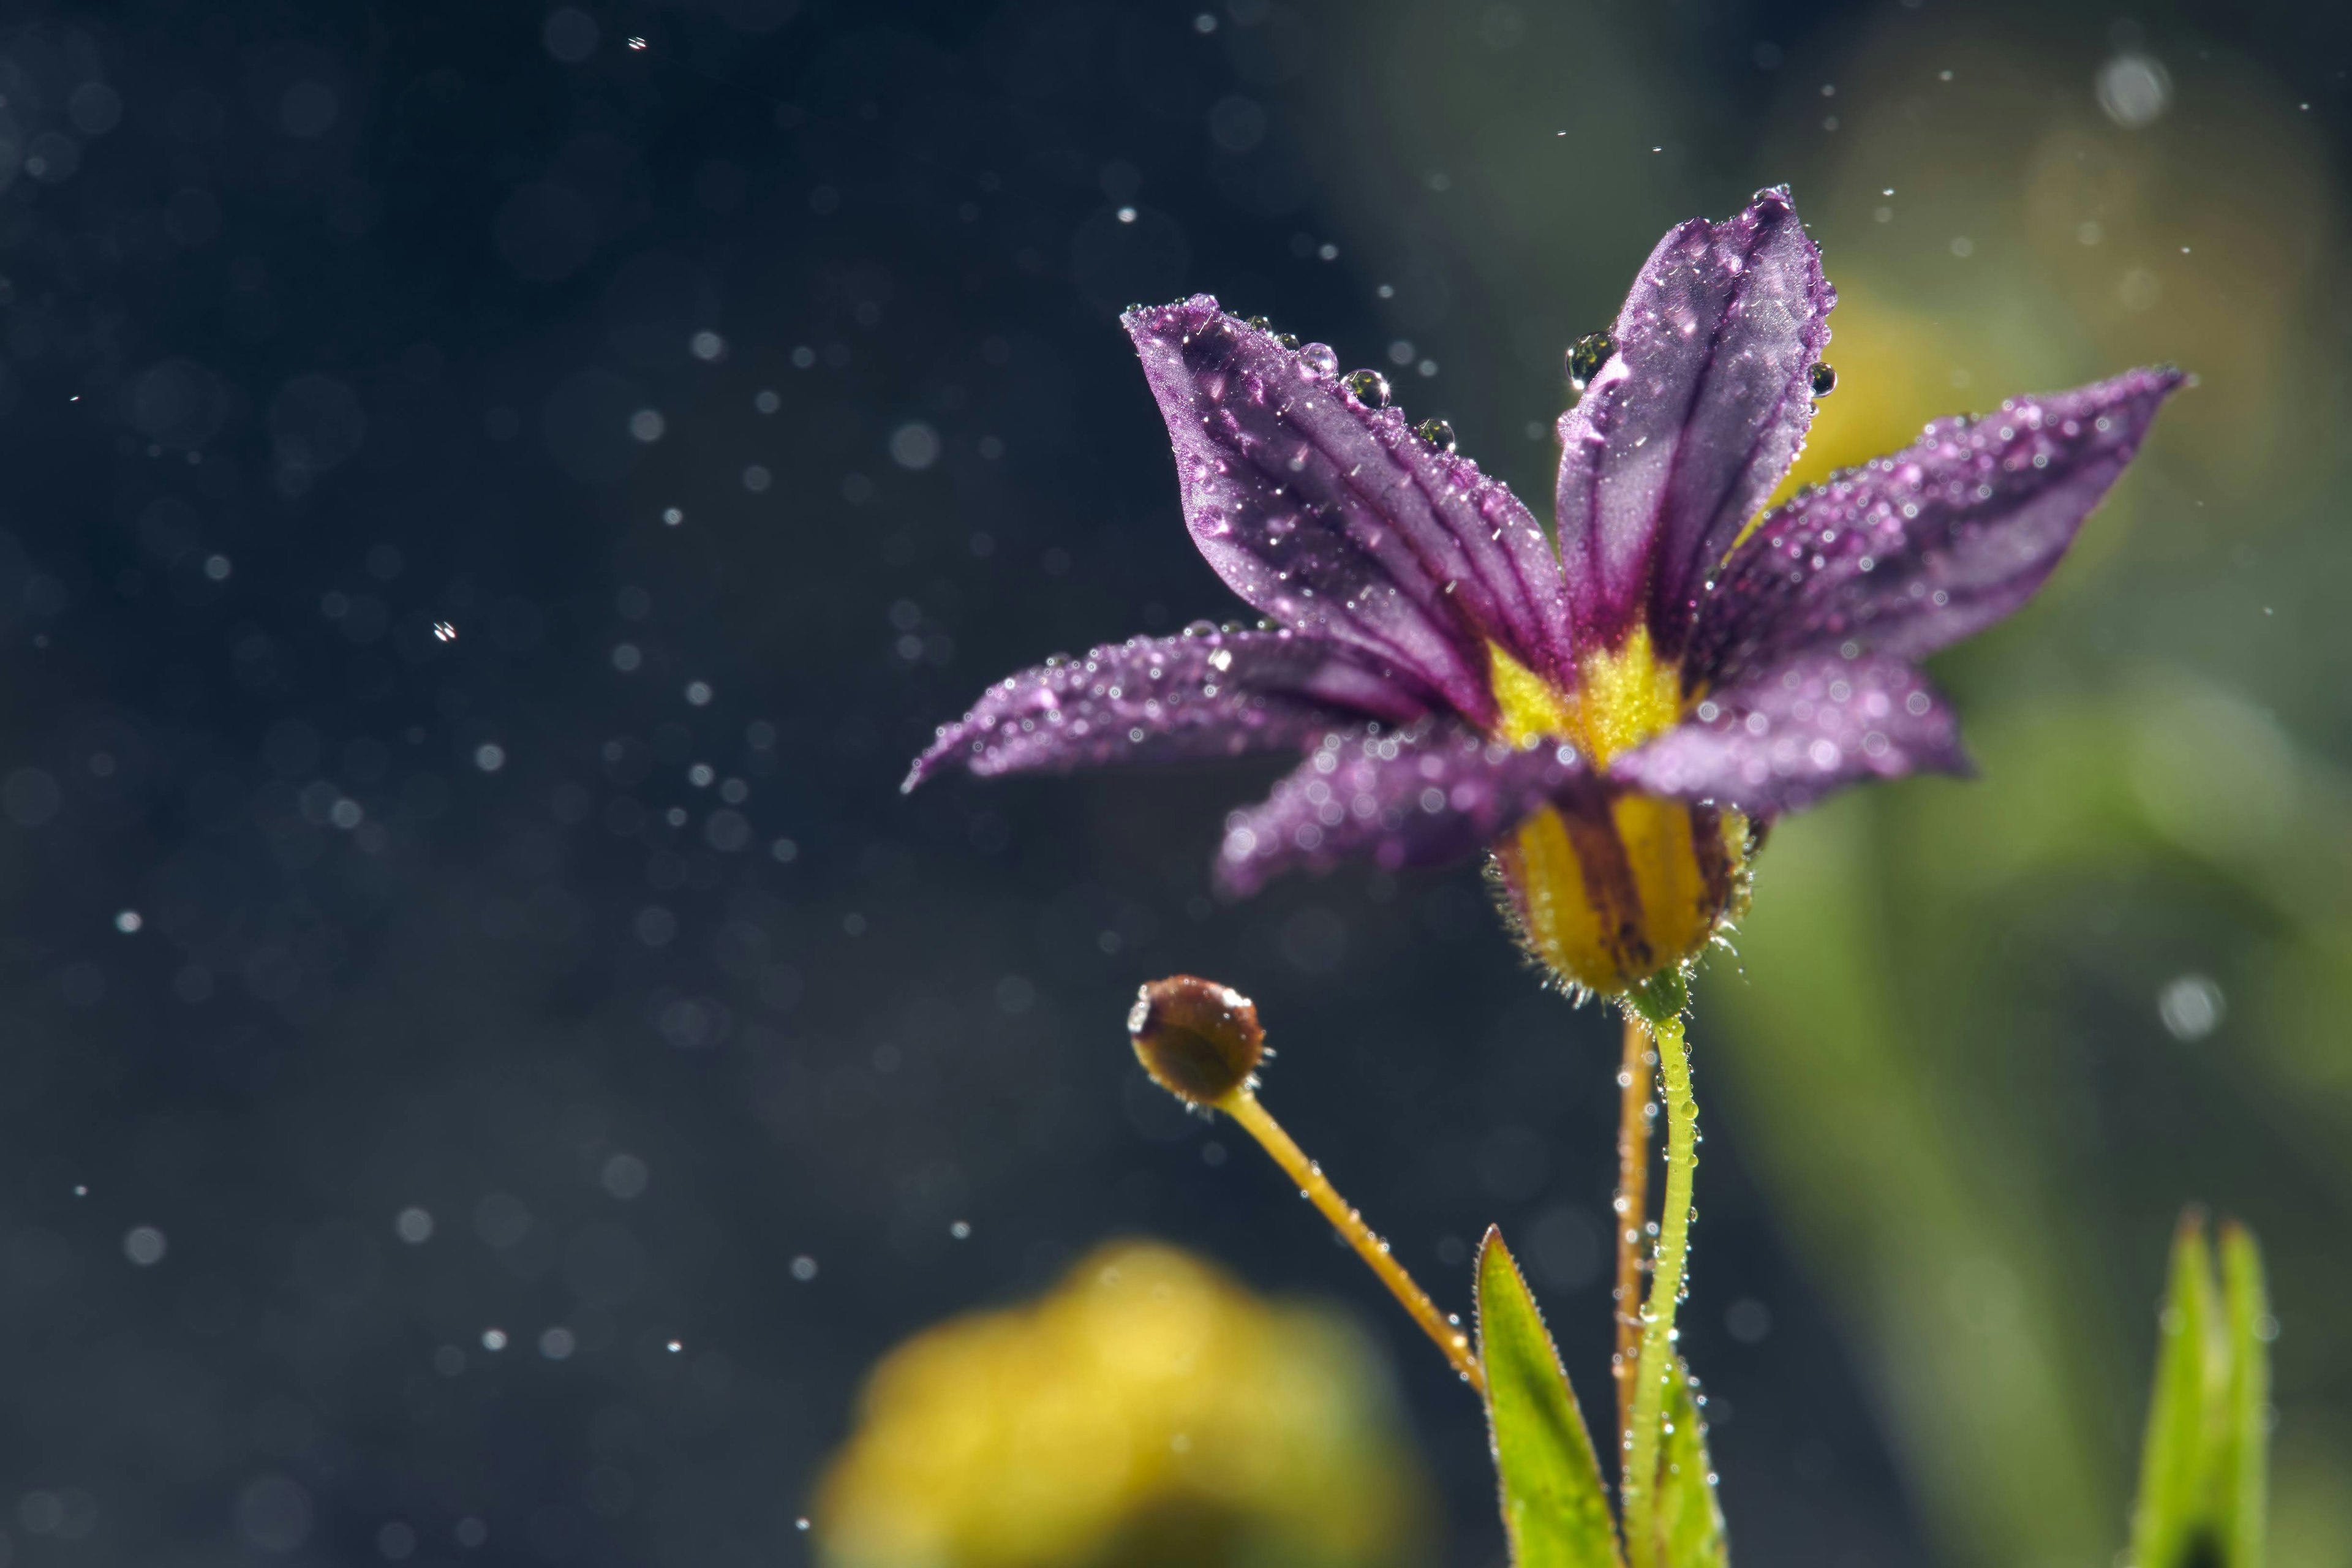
<point x="1636" y="1080"/>
<point x="1637" y="1484"/>
<point x="1244" y="1107"/>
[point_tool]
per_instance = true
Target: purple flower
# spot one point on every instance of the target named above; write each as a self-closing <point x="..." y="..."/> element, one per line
<point x="1614" y="717"/>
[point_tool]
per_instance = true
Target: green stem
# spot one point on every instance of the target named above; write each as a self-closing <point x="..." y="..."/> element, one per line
<point x="1637" y="1486"/>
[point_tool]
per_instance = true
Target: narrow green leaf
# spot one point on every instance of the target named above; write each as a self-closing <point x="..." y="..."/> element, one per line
<point x="2170" y="1516"/>
<point x="2243" y="1465"/>
<point x="1690" y="1517"/>
<point x="2204" y="1473"/>
<point x="1555" y="1507"/>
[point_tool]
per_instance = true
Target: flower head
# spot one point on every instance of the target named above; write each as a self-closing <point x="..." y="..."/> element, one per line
<point x="1614" y="712"/>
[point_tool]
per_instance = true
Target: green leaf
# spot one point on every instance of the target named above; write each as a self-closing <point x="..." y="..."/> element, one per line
<point x="1555" y="1507"/>
<point x="2242" y="1463"/>
<point x="2171" y="1507"/>
<point x="1690" y="1518"/>
<point x="2204" y="1465"/>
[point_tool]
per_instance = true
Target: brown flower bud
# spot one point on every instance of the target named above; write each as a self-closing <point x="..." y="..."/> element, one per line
<point x="1199" y="1040"/>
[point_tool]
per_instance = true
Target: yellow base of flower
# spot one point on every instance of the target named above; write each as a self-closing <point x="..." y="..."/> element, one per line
<point x="1607" y="899"/>
<point x="1609" y="895"/>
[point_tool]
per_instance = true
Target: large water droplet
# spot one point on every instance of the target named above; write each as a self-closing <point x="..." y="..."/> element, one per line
<point x="1320" y="358"/>
<point x="1369" y="387"/>
<point x="1437" y="433"/>
<point x="1824" y="380"/>
<point x="1585" y="358"/>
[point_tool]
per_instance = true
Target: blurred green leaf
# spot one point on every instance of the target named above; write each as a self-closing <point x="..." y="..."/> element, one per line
<point x="2202" y="1468"/>
<point x="2171" y="1507"/>
<point x="2244" y="1459"/>
<point x="1690" y="1517"/>
<point x="1555" y="1505"/>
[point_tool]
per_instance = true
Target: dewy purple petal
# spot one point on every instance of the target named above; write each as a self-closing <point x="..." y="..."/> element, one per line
<point x="1795" y="732"/>
<point x="1339" y="519"/>
<point x="1684" y="434"/>
<point x="1918" y="549"/>
<point x="1155" y="700"/>
<point x="1431" y="794"/>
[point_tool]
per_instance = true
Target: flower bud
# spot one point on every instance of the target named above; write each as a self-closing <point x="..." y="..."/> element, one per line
<point x="1199" y="1040"/>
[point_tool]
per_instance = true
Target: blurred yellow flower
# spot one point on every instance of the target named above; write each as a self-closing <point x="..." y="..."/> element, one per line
<point x="1148" y="1410"/>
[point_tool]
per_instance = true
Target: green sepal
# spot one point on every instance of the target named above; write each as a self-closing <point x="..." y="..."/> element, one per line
<point x="1555" y="1505"/>
<point x="2204" y="1463"/>
<point x="1663" y="996"/>
<point x="1690" y="1516"/>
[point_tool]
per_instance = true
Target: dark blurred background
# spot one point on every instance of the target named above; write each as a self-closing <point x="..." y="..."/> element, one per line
<point x="496" y="494"/>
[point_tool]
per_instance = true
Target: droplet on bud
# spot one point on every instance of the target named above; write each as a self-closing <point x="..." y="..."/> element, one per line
<point x="1320" y="358"/>
<point x="1824" y="380"/>
<point x="1199" y="1040"/>
<point x="1585" y="358"/>
<point x="1369" y="387"/>
<point x="1437" y="433"/>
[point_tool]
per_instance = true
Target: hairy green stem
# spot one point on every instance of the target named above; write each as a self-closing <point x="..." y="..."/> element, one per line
<point x="1637" y="1486"/>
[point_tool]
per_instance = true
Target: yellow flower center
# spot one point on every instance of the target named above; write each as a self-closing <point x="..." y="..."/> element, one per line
<point x="1623" y="697"/>
<point x="1607" y="896"/>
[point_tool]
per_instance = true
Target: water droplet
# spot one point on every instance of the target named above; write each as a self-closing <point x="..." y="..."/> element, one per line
<point x="1260" y="322"/>
<point x="1369" y="387"/>
<point x="1585" y="358"/>
<point x="1437" y="433"/>
<point x="1824" y="380"/>
<point x="1320" y="358"/>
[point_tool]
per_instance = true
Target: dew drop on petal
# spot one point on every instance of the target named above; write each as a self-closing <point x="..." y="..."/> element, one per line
<point x="1590" y="351"/>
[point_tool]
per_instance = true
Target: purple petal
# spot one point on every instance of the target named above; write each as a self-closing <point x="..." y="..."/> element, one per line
<point x="1340" y="519"/>
<point x="1682" y="435"/>
<point x="1416" y="798"/>
<point x="1917" y="551"/>
<point x="1155" y="700"/>
<point x="1796" y="731"/>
